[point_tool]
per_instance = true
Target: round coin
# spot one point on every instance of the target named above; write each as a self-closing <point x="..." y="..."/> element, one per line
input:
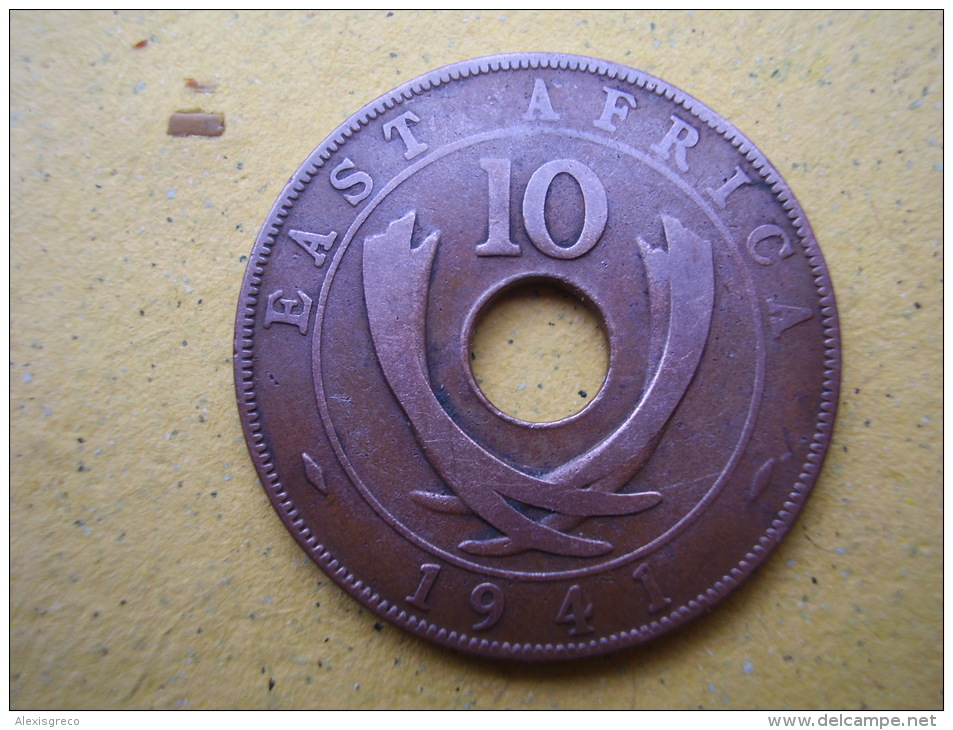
<point x="471" y="527"/>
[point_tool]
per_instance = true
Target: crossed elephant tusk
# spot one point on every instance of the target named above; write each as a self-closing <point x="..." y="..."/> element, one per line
<point x="681" y="294"/>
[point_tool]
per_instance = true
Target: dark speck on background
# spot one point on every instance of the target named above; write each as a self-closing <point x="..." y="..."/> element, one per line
<point x="200" y="87"/>
<point x="196" y="123"/>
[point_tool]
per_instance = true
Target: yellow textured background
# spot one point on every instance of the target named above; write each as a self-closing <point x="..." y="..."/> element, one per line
<point x="148" y="568"/>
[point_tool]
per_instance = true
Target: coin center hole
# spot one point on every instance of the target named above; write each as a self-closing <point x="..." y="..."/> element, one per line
<point x="539" y="352"/>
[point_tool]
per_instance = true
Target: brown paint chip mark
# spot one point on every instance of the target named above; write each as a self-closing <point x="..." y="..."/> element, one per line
<point x="196" y="123"/>
<point x="199" y="87"/>
<point x="142" y="44"/>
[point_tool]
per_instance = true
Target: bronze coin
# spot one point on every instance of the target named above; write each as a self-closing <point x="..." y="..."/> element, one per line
<point x="470" y="527"/>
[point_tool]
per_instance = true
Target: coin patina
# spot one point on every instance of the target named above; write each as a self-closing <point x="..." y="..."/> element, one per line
<point x="411" y="489"/>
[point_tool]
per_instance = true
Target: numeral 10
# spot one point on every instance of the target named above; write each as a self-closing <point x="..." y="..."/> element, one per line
<point x="499" y="240"/>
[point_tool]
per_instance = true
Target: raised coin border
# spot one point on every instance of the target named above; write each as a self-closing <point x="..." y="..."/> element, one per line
<point x="245" y="386"/>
